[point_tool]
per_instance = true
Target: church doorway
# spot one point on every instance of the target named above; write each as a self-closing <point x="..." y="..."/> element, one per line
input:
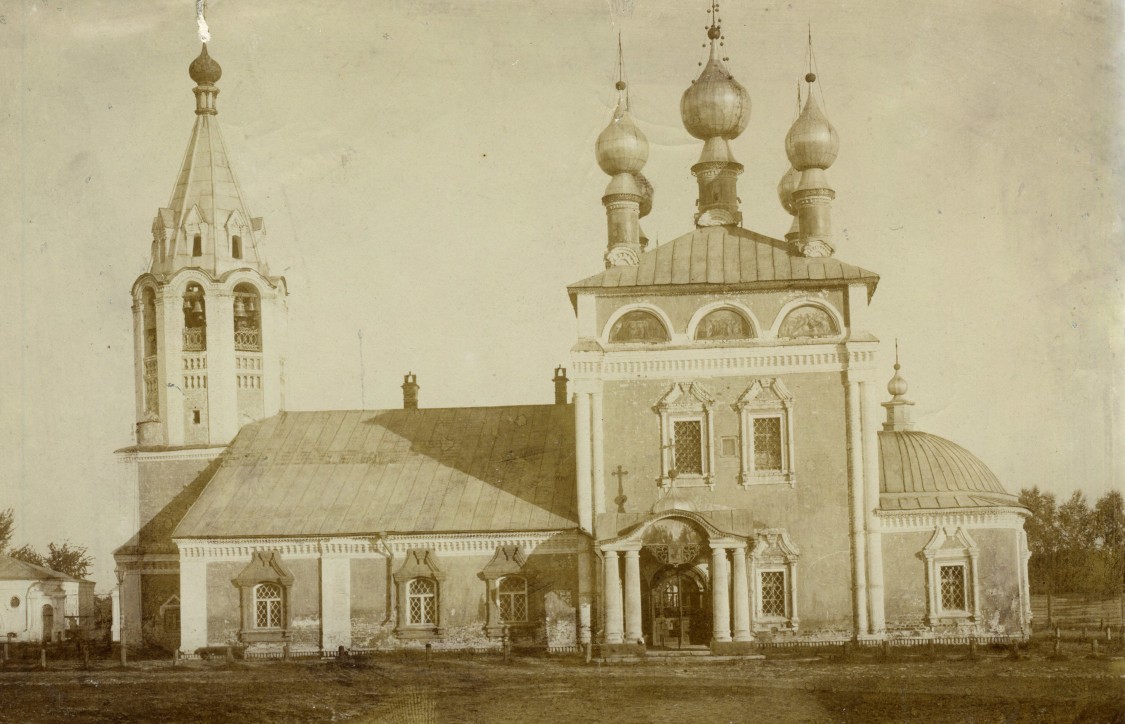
<point x="678" y="609"/>
<point x="48" y="622"/>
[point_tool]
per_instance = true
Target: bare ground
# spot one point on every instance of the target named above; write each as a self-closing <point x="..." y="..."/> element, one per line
<point x="821" y="689"/>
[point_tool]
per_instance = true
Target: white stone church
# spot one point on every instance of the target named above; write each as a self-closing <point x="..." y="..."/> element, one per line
<point x="721" y="468"/>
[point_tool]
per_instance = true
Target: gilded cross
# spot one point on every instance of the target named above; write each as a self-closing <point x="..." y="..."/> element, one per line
<point x="620" y="474"/>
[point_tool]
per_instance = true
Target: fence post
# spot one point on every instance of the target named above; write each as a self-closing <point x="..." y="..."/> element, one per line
<point x="429" y="650"/>
<point x="6" y="657"/>
<point x="175" y="657"/>
<point x="1108" y="634"/>
<point x="886" y="646"/>
<point x="228" y="654"/>
<point x="285" y="652"/>
<point x="589" y="651"/>
<point x="42" y="658"/>
<point x="973" y="647"/>
<point x="1094" y="647"/>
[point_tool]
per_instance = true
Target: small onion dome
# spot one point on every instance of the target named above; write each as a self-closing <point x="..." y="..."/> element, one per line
<point x="812" y="141"/>
<point x="785" y="188"/>
<point x="897" y="385"/>
<point x="646" y="194"/>
<point x="204" y="70"/>
<point x="715" y="104"/>
<point x="621" y="147"/>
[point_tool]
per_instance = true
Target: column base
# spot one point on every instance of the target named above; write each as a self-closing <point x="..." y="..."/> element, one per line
<point x="732" y="648"/>
<point x="740" y="636"/>
<point x="608" y="650"/>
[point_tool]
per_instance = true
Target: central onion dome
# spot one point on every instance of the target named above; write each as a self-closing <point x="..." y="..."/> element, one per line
<point x="812" y="142"/>
<point x="716" y="105"/>
<point x="621" y="147"/>
<point x="204" y="70"/>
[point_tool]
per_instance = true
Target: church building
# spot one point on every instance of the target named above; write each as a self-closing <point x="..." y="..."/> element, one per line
<point x="721" y="467"/>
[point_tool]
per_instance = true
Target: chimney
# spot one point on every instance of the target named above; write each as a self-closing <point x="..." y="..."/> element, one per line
<point x="560" y="385"/>
<point x="410" y="391"/>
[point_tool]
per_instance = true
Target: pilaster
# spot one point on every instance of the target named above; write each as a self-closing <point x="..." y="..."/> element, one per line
<point x="193" y="603"/>
<point x="222" y="389"/>
<point x="612" y="594"/>
<point x="857" y="504"/>
<point x="582" y="460"/>
<point x="335" y="602"/>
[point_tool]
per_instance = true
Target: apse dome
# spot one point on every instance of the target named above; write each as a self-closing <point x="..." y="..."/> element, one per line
<point x="919" y="470"/>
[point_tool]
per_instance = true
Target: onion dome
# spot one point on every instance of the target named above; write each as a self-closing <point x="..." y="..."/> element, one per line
<point x="621" y="147"/>
<point x="897" y="386"/>
<point x="812" y="142"/>
<point x="647" y="192"/>
<point x="716" y="105"/>
<point x="785" y="188"/>
<point x="204" y="70"/>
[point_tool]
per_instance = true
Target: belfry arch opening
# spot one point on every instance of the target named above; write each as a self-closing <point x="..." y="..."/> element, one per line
<point x="195" y="319"/>
<point x="148" y="322"/>
<point x="247" y="319"/>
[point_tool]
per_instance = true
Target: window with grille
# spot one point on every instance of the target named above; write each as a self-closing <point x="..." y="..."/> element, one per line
<point x="767" y="444"/>
<point x="512" y="593"/>
<point x="421" y="601"/>
<point x="687" y="436"/>
<point x="267" y="605"/>
<point x="953" y="588"/>
<point x="773" y="593"/>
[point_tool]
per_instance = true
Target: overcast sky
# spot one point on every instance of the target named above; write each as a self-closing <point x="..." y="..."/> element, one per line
<point x="427" y="176"/>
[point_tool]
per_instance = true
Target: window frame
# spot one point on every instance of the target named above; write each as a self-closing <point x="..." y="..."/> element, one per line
<point x="512" y="596"/>
<point x="277" y="597"/>
<point x="948" y="548"/>
<point x="428" y="608"/>
<point x="686" y="402"/>
<point x="760" y="599"/>
<point x="753" y="405"/>
<point x="419" y="563"/>
<point x="774" y="552"/>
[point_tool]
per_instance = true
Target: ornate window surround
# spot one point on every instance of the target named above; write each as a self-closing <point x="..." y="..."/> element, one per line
<point x="419" y="563"/>
<point x="945" y="549"/>
<point x="264" y="567"/>
<point x="508" y="560"/>
<point x="686" y="401"/>
<point x="774" y="551"/>
<point x="749" y="408"/>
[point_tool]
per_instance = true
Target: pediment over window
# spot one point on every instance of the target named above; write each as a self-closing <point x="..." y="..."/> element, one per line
<point x="945" y="540"/>
<point x="685" y="396"/>
<point x="769" y="392"/>
<point x="774" y="544"/>
<point x="264" y="566"/>
<point x="508" y="560"/>
<point x="419" y="563"/>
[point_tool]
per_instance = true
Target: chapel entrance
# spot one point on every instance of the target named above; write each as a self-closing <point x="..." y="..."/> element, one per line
<point x="678" y="610"/>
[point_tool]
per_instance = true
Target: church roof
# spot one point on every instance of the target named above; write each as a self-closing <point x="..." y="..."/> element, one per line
<point x="13" y="569"/>
<point x="726" y="256"/>
<point x="922" y="471"/>
<point x="470" y="469"/>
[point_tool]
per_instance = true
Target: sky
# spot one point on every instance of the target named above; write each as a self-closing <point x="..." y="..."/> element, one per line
<point x="427" y="176"/>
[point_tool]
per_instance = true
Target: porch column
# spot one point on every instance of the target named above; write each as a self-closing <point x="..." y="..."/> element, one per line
<point x="720" y="595"/>
<point x="585" y="586"/>
<point x="612" y="599"/>
<point x="741" y="596"/>
<point x="633" y="597"/>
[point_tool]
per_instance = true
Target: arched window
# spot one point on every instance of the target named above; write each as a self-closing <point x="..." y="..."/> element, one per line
<point x="267" y="605"/>
<point x="807" y="321"/>
<point x="195" y="319"/>
<point x="512" y="595"/>
<point x="236" y="247"/>
<point x="723" y="324"/>
<point x="421" y="601"/>
<point x="197" y="245"/>
<point x="639" y="326"/>
<point x="247" y="319"/>
<point x="148" y="315"/>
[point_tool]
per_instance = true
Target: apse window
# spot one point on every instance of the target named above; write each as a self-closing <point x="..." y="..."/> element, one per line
<point x="236" y="247"/>
<point x="512" y="599"/>
<point x="197" y="245"/>
<point x="954" y="592"/>
<point x="196" y="417"/>
<point x="267" y="605"/>
<point x="421" y="601"/>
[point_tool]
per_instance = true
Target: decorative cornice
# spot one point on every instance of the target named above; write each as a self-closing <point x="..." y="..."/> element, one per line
<point x="926" y="520"/>
<point x="565" y="541"/>
<point x="776" y="359"/>
<point x="133" y="455"/>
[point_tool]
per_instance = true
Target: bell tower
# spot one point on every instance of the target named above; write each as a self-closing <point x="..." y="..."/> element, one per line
<point x="209" y="319"/>
<point x="209" y="323"/>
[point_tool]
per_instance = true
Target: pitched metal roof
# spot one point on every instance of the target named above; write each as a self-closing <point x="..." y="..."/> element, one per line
<point x="13" y="569"/>
<point x="922" y="471"/>
<point x="725" y="256"/>
<point x="361" y="472"/>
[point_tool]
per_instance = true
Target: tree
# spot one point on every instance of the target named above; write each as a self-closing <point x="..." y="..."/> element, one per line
<point x="1109" y="531"/>
<point x="74" y="562"/>
<point x="7" y="526"/>
<point x="1043" y="539"/>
